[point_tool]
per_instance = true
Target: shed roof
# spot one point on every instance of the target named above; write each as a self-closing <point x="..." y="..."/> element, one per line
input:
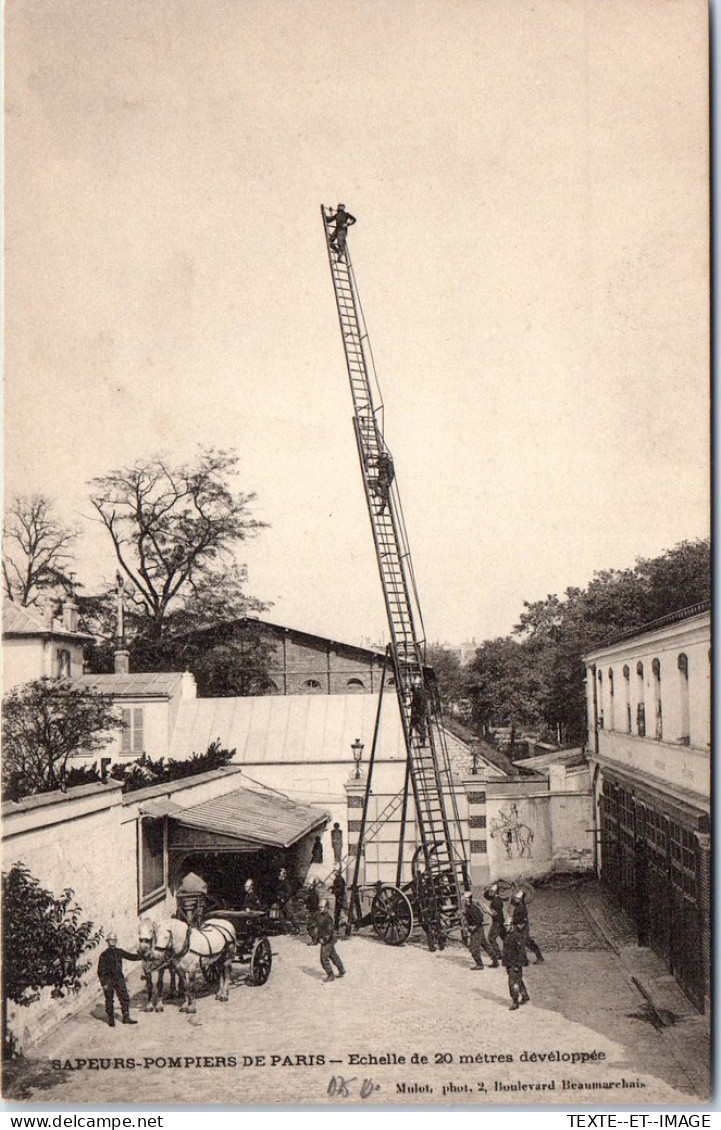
<point x="265" y="818"/>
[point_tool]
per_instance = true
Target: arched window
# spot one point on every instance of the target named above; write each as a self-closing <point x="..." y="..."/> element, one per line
<point x="600" y="700"/>
<point x="640" y="702"/>
<point x="63" y="663"/>
<point x="685" y="735"/>
<point x="627" y="695"/>
<point x="270" y="687"/>
<point x="355" y="685"/>
<point x="656" y="669"/>
<point x="311" y="685"/>
<point x="611" y="703"/>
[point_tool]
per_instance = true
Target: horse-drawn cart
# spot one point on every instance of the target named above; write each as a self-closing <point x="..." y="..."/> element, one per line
<point x="252" y="947"/>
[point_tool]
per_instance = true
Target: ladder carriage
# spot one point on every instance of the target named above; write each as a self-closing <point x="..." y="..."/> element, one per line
<point x="439" y="865"/>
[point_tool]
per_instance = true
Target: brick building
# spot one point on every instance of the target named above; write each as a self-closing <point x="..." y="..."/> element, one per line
<point x="303" y="663"/>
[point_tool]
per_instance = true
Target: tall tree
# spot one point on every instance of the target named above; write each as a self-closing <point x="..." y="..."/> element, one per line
<point x="449" y="673"/>
<point x="43" y="723"/>
<point x="535" y="676"/>
<point x="175" y="529"/>
<point x="37" y="549"/>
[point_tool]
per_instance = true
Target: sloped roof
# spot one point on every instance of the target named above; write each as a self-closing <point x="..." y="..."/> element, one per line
<point x="20" y="621"/>
<point x="267" y="818"/>
<point x="311" y="638"/>
<point x="289" y="728"/>
<point x="152" y="684"/>
<point x="297" y="729"/>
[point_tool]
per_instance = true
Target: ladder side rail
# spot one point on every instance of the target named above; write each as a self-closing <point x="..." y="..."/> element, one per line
<point x="366" y="342"/>
<point x="353" y="330"/>
<point x="391" y="613"/>
<point x="444" y="760"/>
<point x="354" y="900"/>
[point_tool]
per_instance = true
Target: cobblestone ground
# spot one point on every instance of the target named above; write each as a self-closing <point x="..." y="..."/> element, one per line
<point x="393" y="1002"/>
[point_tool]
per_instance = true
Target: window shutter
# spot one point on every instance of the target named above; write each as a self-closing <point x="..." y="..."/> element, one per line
<point x="125" y="746"/>
<point x="138" y="740"/>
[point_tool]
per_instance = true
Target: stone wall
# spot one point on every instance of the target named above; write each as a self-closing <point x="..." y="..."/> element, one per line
<point x="87" y="839"/>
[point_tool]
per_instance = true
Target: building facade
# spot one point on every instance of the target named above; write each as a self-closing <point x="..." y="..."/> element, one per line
<point x="649" y="718"/>
<point x="303" y="663"/>
<point x="41" y="643"/>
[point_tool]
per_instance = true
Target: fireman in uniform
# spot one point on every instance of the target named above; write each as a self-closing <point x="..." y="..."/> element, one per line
<point x="112" y="978"/>
<point x="514" y="958"/>
<point x="326" y="937"/>
<point x="519" y="919"/>
<point x="475" y="923"/>
<point x="498" y="922"/>
<point x="342" y="220"/>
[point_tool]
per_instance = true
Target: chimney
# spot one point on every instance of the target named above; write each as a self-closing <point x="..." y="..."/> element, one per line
<point x="122" y="655"/>
<point x="188" y="686"/>
<point x="70" y="614"/>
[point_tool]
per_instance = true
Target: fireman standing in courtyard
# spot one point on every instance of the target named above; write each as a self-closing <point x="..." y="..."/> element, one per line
<point x="326" y="937"/>
<point x="514" y="958"/>
<point x="475" y="923"/>
<point x="498" y="922"/>
<point x="519" y="919"/>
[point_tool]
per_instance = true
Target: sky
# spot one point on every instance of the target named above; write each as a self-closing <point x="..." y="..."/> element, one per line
<point x="530" y="181"/>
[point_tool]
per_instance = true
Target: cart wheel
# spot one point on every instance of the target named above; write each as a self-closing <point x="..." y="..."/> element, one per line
<point x="392" y="916"/>
<point x="211" y="973"/>
<point x="261" y="961"/>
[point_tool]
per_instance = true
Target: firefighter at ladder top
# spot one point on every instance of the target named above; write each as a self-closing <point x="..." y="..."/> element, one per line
<point x="342" y="221"/>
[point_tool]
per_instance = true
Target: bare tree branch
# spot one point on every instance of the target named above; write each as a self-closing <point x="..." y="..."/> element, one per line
<point x="37" y="549"/>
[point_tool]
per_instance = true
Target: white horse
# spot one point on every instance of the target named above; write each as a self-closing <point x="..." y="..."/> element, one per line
<point x="173" y="943"/>
<point x="154" y="976"/>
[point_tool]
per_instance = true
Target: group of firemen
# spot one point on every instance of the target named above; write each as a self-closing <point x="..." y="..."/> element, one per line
<point x="514" y="934"/>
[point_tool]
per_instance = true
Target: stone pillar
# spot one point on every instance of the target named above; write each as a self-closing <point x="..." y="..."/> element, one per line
<point x="355" y="791"/>
<point x="477" y="832"/>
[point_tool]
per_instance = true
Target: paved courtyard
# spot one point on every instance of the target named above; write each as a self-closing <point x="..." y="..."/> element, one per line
<point x="297" y="1039"/>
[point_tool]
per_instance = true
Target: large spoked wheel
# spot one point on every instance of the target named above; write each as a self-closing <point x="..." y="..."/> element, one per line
<point x="261" y="961"/>
<point x="392" y="916"/>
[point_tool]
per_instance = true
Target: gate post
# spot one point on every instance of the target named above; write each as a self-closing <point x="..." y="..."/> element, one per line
<point x="355" y="790"/>
<point x="477" y="831"/>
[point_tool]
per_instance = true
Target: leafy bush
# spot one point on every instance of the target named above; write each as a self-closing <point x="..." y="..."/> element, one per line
<point x="143" y="772"/>
<point x="43" y="941"/>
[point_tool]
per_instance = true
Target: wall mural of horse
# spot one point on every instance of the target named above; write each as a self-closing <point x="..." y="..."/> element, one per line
<point x="513" y="834"/>
<point x="188" y="950"/>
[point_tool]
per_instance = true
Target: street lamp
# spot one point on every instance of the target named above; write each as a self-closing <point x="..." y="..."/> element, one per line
<point x="357" y="747"/>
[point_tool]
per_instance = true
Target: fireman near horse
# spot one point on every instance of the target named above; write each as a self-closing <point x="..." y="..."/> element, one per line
<point x="172" y="943"/>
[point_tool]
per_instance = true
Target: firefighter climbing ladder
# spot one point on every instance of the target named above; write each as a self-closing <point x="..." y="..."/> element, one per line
<point x="442" y="851"/>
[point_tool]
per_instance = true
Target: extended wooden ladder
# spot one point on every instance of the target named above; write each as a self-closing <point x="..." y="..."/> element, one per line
<point x="437" y="816"/>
